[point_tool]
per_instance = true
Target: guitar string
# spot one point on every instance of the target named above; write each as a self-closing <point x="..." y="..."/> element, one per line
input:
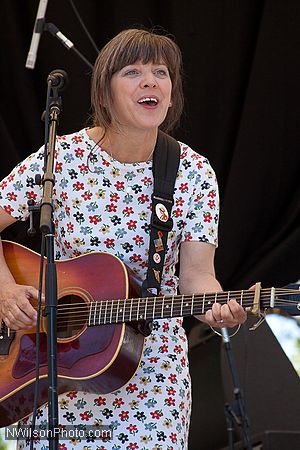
<point x="196" y="298"/>
<point x="133" y="313"/>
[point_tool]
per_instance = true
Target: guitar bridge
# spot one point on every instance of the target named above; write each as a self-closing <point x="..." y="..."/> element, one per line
<point x="6" y="338"/>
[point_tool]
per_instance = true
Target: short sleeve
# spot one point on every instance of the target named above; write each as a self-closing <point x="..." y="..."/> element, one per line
<point x="19" y="186"/>
<point x="201" y="223"/>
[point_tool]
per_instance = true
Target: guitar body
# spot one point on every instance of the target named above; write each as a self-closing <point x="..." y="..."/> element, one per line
<point x="98" y="359"/>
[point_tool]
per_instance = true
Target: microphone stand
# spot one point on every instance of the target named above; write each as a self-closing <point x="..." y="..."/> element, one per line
<point x="47" y="228"/>
<point x="235" y="413"/>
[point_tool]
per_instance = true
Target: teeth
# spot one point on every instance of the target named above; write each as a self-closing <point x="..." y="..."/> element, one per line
<point x="148" y="99"/>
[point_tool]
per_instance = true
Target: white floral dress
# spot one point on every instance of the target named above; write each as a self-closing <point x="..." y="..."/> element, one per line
<point x="102" y="204"/>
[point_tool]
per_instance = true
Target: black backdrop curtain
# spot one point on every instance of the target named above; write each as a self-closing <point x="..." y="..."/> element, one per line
<point x="242" y="78"/>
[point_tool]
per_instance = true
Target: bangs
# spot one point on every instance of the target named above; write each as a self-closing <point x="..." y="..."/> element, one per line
<point x="144" y="47"/>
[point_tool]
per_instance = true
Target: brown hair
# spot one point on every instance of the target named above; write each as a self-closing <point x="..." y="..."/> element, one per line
<point x="129" y="47"/>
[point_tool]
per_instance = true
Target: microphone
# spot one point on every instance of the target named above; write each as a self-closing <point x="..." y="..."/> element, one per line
<point x="58" y="79"/>
<point x="37" y="31"/>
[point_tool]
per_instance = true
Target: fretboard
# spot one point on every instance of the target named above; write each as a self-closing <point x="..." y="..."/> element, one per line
<point x="133" y="309"/>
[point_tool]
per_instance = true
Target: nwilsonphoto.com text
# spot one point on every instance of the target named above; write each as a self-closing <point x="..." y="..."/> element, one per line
<point x="65" y="433"/>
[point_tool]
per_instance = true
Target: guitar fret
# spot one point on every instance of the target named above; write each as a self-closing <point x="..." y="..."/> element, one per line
<point x="192" y="304"/>
<point x="162" y="307"/>
<point x="130" y="309"/>
<point x="181" y="306"/>
<point x="228" y="296"/>
<point x="172" y="306"/>
<point x="99" y="318"/>
<point x="90" y="313"/>
<point x="146" y="303"/>
<point x="124" y="306"/>
<point x="117" y="315"/>
<point x="111" y="311"/>
<point x="153" y="310"/>
<point x="241" y="302"/>
<point x="203" y="300"/>
<point x="105" y="312"/>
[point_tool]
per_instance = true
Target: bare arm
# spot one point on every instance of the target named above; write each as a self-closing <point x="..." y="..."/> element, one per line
<point x="197" y="274"/>
<point x="15" y="308"/>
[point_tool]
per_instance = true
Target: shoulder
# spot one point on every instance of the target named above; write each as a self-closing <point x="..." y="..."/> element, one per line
<point x="189" y="158"/>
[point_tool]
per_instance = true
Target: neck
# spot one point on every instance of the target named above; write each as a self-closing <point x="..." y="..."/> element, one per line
<point x="127" y="146"/>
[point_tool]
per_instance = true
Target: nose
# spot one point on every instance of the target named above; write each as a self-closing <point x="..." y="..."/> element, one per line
<point x="149" y="81"/>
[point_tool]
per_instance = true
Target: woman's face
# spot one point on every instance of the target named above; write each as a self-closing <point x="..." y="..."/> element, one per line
<point x="141" y="95"/>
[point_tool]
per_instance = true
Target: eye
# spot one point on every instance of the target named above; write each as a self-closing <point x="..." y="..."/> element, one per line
<point x="131" y="72"/>
<point x="162" y="72"/>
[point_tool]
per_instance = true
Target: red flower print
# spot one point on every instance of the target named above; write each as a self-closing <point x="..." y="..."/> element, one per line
<point x="86" y="415"/>
<point x="135" y="258"/>
<point x="156" y="414"/>
<point x="119" y="185"/>
<point x="78" y="186"/>
<point x="211" y="194"/>
<point x="62" y="446"/>
<point x="94" y="219"/>
<point x="170" y="401"/>
<point x="153" y="359"/>
<point x="138" y="240"/>
<point x="132" y="387"/>
<point x="64" y="196"/>
<point x="118" y="402"/>
<point x="111" y="208"/>
<point x="132" y="446"/>
<point x="173" y="378"/>
<point x="22" y="169"/>
<point x="171" y="391"/>
<point x="124" y="415"/>
<point x="164" y="339"/>
<point x="10" y="178"/>
<point x="77" y="139"/>
<point x="3" y="185"/>
<point x="100" y="401"/>
<point x="131" y="224"/>
<point x="114" y="197"/>
<point x="142" y="394"/>
<point x="70" y="227"/>
<point x="58" y="167"/>
<point x="178" y="349"/>
<point x="163" y="349"/>
<point x="178" y="212"/>
<point x="183" y="187"/>
<point x="179" y="202"/>
<point x="127" y="211"/>
<point x="207" y="217"/>
<point x="146" y="181"/>
<point x="132" y="428"/>
<point x="83" y="168"/>
<point x="67" y="244"/>
<point x="165" y="326"/>
<point x="31" y="195"/>
<point x="79" y="152"/>
<point x="86" y="195"/>
<point x="8" y="209"/>
<point x="173" y="437"/>
<point x="72" y="394"/>
<point x="110" y="243"/>
<point x="143" y="198"/>
<point x="11" y="196"/>
<point x="183" y="361"/>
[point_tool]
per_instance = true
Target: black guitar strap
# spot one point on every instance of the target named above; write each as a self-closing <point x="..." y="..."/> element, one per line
<point x="165" y="167"/>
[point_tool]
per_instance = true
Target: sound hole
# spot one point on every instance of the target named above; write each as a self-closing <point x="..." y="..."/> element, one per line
<point x="72" y="315"/>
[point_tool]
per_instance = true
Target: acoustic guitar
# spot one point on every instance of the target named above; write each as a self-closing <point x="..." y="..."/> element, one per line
<point x="99" y="347"/>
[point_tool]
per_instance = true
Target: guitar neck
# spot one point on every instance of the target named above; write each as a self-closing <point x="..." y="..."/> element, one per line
<point x="128" y="310"/>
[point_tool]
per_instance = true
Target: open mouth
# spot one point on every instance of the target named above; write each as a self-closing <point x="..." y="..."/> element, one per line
<point x="149" y="101"/>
